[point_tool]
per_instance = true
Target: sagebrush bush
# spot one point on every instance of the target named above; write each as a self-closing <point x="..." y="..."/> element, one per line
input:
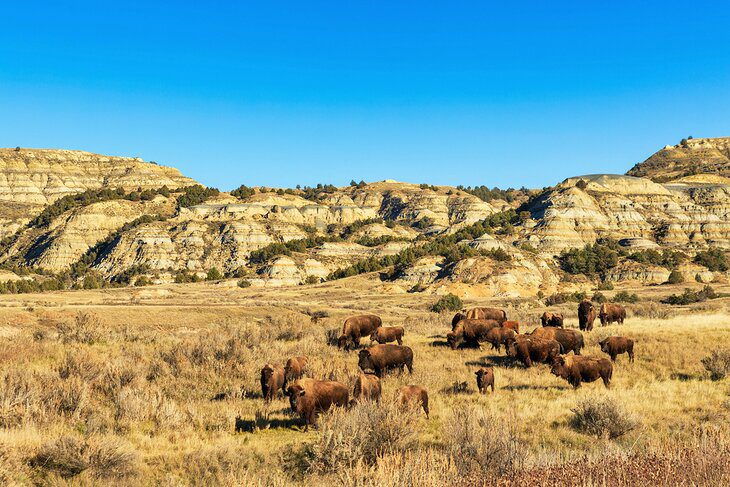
<point x="84" y="329"/>
<point x="480" y="442"/>
<point x="626" y="297"/>
<point x="602" y="417"/>
<point x="450" y="302"/>
<point x="675" y="277"/>
<point x="717" y="364"/>
<point x="363" y="433"/>
<point x="104" y="458"/>
<point x="652" y="310"/>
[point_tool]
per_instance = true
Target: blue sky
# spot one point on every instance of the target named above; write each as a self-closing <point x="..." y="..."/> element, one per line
<point x="285" y="93"/>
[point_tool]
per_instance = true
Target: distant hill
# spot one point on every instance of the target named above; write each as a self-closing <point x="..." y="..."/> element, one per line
<point x="688" y="158"/>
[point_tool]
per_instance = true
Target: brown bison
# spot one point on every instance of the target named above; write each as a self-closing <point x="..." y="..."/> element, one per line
<point x="495" y="314"/>
<point x="551" y="319"/>
<point x="367" y="388"/>
<point x="380" y="358"/>
<point x="499" y="335"/>
<point x="272" y="379"/>
<point x="387" y="334"/>
<point x="569" y="340"/>
<point x="512" y="325"/>
<point x="610" y="313"/>
<point x="616" y="346"/>
<point x="415" y="395"/>
<point x="309" y="397"/>
<point x="528" y="350"/>
<point x="356" y="327"/>
<point x="457" y="318"/>
<point x="294" y="368"/>
<point x="471" y="332"/>
<point x="577" y="369"/>
<point x="485" y="379"/>
<point x="586" y="315"/>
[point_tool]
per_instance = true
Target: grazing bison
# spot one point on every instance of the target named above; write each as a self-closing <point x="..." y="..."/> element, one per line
<point x="617" y="345"/>
<point x="415" y="395"/>
<point x="485" y="379"/>
<point x="495" y="314"/>
<point x="528" y="350"/>
<point x="356" y="327"/>
<point x="309" y="397"/>
<point x="294" y="368"/>
<point x="272" y="379"/>
<point x="577" y="369"/>
<point x="499" y="335"/>
<point x="568" y="339"/>
<point x="586" y="315"/>
<point x="380" y="358"/>
<point x="471" y="332"/>
<point x="512" y="325"/>
<point x="367" y="388"/>
<point x="551" y="319"/>
<point x="612" y="312"/>
<point x="457" y="318"/>
<point x="387" y="334"/>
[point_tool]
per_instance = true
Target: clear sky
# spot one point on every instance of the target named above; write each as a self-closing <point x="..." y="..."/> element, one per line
<point x="283" y="93"/>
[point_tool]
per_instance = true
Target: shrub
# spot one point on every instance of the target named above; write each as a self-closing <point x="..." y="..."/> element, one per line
<point x="104" y="458"/>
<point x="243" y="192"/>
<point x="602" y="417"/>
<point x="605" y="286"/>
<point x="450" y="302"/>
<point x="213" y="275"/>
<point x="690" y="297"/>
<point x="316" y="316"/>
<point x="717" y="364"/>
<point x="590" y="260"/>
<point x="666" y="258"/>
<point x="675" y="277"/>
<point x="482" y="443"/>
<point x="599" y="297"/>
<point x="244" y="283"/>
<point x="714" y="259"/>
<point x="653" y="310"/>
<point x="312" y="280"/>
<point x="364" y="433"/>
<point x="195" y="195"/>
<point x="626" y="297"/>
<point x="142" y="281"/>
<point x="581" y="184"/>
<point x="560" y="298"/>
<point x="85" y="328"/>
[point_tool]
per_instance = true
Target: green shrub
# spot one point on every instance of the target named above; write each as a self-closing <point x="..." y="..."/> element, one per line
<point x="450" y="302"/>
<point x="243" y="192"/>
<point x="213" y="275"/>
<point x="605" y="286"/>
<point x="560" y="298"/>
<point x="244" y="283"/>
<point x="714" y="259"/>
<point x="666" y="258"/>
<point x="675" y="277"/>
<point x="598" y="297"/>
<point x="312" y="280"/>
<point x="590" y="260"/>
<point x="195" y="195"/>
<point x="690" y="297"/>
<point x="626" y="297"/>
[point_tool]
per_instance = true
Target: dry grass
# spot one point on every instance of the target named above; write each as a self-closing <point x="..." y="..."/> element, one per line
<point x="126" y="391"/>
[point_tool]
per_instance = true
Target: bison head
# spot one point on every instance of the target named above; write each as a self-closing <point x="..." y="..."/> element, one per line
<point x="457" y="318"/>
<point x="295" y="393"/>
<point x="604" y="345"/>
<point x="267" y="372"/>
<point x="511" y="346"/>
<point x="454" y="340"/>
<point x="343" y="342"/>
<point x="558" y="367"/>
<point x="365" y="360"/>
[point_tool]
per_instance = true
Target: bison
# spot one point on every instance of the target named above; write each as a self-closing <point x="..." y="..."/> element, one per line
<point x="387" y="334"/>
<point x="551" y="319"/>
<point x="470" y="331"/>
<point x="415" y="395"/>
<point x="457" y="318"/>
<point x="495" y="314"/>
<point x="499" y="335"/>
<point x="528" y="350"/>
<point x="610" y="313"/>
<point x="569" y="340"/>
<point x="356" y="327"/>
<point x="309" y="397"/>
<point x="380" y="358"/>
<point x="577" y="369"/>
<point x="512" y="325"/>
<point x="294" y="368"/>
<point x="614" y="346"/>
<point x="586" y="315"/>
<point x="272" y="379"/>
<point x="367" y="388"/>
<point x="485" y="379"/>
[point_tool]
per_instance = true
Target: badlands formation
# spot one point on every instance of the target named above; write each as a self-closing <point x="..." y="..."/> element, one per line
<point x="679" y="198"/>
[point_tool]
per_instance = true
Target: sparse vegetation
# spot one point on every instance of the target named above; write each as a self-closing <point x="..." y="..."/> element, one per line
<point x="689" y="296"/>
<point x="714" y="259"/>
<point x="602" y="417"/>
<point x="717" y="364"/>
<point x="488" y="194"/>
<point x="560" y="298"/>
<point x="666" y="258"/>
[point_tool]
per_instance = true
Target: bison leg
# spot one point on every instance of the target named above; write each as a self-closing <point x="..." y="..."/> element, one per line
<point x="631" y="356"/>
<point x="400" y="341"/>
<point x="613" y="357"/>
<point x="606" y="380"/>
<point x="492" y="385"/>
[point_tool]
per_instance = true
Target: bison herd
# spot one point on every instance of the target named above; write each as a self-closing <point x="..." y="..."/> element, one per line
<point x="549" y="344"/>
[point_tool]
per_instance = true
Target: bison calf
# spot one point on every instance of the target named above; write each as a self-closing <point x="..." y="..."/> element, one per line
<point x="499" y="336"/>
<point x="614" y="346"/>
<point x="356" y="327"/>
<point x="485" y="378"/>
<point x="512" y="325"/>
<point x="415" y="395"/>
<point x="387" y="334"/>
<point x="551" y="319"/>
<point x="471" y="332"/>
<point x="367" y="388"/>
<point x="577" y="369"/>
<point x="294" y="368"/>
<point x="610" y="313"/>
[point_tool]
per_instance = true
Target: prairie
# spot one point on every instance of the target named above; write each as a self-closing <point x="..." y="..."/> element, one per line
<point x="159" y="385"/>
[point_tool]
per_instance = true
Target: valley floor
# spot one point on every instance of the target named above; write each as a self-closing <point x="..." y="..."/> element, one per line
<point x="117" y="386"/>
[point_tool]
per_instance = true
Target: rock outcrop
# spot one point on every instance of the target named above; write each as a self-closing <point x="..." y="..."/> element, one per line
<point x="688" y="158"/>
